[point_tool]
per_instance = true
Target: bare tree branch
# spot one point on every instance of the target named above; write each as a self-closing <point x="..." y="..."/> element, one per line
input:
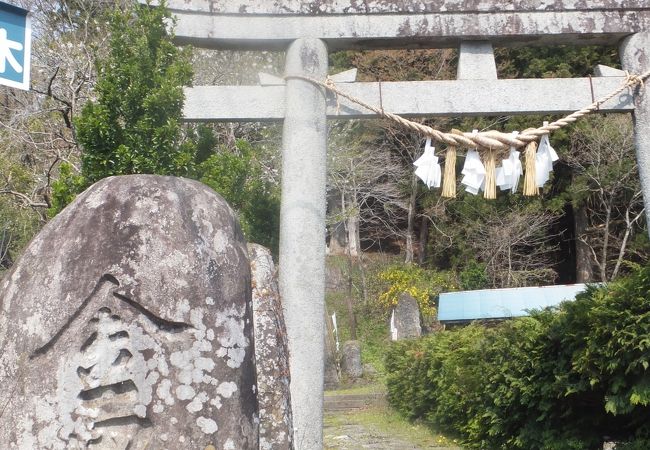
<point x="607" y="186"/>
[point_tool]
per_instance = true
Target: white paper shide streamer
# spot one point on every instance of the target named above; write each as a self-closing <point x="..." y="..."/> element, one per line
<point x="428" y="167"/>
<point x="473" y="171"/>
<point x="544" y="160"/>
<point x="511" y="170"/>
<point x="336" y="331"/>
<point x="393" y="328"/>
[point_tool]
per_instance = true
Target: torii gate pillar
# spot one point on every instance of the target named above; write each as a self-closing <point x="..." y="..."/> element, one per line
<point x="635" y="57"/>
<point x="302" y="235"/>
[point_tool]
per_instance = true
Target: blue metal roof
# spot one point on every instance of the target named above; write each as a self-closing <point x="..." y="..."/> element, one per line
<point x="502" y="303"/>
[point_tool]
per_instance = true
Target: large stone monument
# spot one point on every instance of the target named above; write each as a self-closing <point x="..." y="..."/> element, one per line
<point x="271" y="353"/>
<point x="127" y="325"/>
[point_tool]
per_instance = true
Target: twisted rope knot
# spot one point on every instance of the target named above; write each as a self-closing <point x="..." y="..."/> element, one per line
<point x="632" y="79"/>
<point x="329" y="82"/>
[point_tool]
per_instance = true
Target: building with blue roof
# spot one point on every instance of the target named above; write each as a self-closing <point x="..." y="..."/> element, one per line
<point x="492" y="304"/>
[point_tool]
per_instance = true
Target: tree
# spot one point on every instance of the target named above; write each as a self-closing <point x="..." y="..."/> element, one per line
<point x="555" y="61"/>
<point x="607" y="189"/>
<point x="378" y="166"/>
<point x="70" y="35"/>
<point x="18" y="222"/>
<point x="106" y="99"/>
<point x="408" y="146"/>
<point x="36" y="126"/>
<point x="134" y="125"/>
<point x="239" y="177"/>
<point x="366" y="176"/>
<point x="516" y="247"/>
<point x="506" y="242"/>
<point x="364" y="193"/>
<point x="564" y="61"/>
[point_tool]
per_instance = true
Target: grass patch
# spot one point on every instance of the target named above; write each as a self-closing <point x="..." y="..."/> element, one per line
<point x="373" y="388"/>
<point x="384" y="420"/>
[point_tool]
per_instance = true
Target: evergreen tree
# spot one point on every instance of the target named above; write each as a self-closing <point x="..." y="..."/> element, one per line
<point x="134" y="125"/>
<point x="239" y="177"/>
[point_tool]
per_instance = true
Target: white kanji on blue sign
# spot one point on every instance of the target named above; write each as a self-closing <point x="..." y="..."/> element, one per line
<point x="15" y="46"/>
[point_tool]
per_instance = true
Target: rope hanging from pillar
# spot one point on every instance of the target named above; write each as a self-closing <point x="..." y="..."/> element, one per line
<point x="493" y="143"/>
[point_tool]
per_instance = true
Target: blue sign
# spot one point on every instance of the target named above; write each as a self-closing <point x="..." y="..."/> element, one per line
<point x="15" y="46"/>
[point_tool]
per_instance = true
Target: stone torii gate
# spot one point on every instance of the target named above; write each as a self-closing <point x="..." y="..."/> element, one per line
<point x="308" y="30"/>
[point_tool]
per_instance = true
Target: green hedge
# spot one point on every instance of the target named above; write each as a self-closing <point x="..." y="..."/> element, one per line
<point x="560" y="379"/>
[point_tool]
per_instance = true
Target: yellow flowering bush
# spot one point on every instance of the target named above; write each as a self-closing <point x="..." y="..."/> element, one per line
<point x="423" y="285"/>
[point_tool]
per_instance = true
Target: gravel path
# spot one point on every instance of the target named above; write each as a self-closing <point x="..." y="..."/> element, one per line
<point x="355" y="422"/>
<point x="357" y="436"/>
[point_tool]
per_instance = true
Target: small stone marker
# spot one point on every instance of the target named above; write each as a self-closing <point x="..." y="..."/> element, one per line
<point x="369" y="371"/>
<point x="351" y="360"/>
<point x="406" y="318"/>
<point x="271" y="353"/>
<point x="127" y="323"/>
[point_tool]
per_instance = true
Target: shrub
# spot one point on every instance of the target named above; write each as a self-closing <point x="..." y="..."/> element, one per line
<point x="423" y="285"/>
<point x="559" y="379"/>
<point x="637" y="444"/>
<point x="239" y="178"/>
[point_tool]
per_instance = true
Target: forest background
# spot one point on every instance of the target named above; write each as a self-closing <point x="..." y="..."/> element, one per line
<point x="106" y="99"/>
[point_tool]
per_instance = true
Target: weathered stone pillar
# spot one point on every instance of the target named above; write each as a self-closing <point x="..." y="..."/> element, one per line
<point x="271" y="353"/>
<point x="302" y="236"/>
<point x="635" y="57"/>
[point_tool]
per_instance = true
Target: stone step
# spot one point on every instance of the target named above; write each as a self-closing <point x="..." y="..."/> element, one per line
<point x="353" y="401"/>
